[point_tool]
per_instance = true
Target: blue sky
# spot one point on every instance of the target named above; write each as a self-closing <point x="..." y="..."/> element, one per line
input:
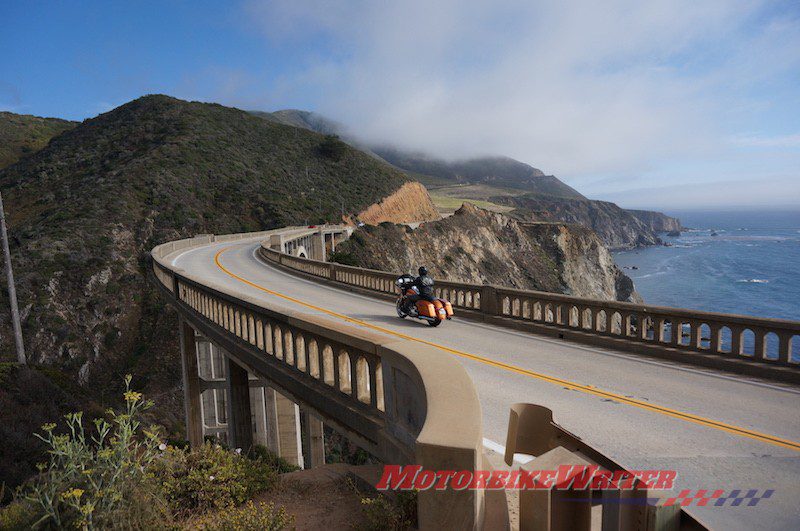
<point x="666" y="103"/>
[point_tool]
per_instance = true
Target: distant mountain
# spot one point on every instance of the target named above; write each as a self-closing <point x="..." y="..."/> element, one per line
<point x="501" y="172"/>
<point x="84" y="211"/>
<point x="304" y="119"/>
<point x="23" y="134"/>
<point x="508" y="182"/>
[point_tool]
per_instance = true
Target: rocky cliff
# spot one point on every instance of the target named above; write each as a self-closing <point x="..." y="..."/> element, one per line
<point x="617" y="227"/>
<point x="478" y="246"/>
<point x="657" y="221"/>
<point x="410" y="203"/>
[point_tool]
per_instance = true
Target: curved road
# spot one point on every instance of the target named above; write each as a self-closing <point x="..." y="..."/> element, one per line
<point x="717" y="431"/>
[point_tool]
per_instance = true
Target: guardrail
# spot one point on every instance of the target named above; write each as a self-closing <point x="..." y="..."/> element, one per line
<point x="766" y="342"/>
<point x="397" y="399"/>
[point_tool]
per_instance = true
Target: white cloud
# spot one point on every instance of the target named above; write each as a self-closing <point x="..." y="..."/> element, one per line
<point x="577" y="88"/>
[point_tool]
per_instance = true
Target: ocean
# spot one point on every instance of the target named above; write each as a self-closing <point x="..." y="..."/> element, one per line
<point x="742" y="262"/>
<point x="751" y="266"/>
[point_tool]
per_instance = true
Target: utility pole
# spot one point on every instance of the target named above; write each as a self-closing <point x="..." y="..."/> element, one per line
<point x="12" y="291"/>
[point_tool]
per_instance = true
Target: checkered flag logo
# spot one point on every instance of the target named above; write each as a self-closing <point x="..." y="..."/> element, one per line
<point x="736" y="498"/>
<point x="703" y="497"/>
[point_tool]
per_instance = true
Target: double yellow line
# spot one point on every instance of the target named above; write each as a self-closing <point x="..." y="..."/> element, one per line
<point x="588" y="389"/>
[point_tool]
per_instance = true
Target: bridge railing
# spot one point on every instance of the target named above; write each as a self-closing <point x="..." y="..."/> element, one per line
<point x="768" y="342"/>
<point x="399" y="400"/>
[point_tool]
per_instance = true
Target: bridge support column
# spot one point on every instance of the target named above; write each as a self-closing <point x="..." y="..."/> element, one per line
<point x="318" y="246"/>
<point x="314" y="440"/>
<point x="191" y="385"/>
<point x="271" y="416"/>
<point x="240" y="420"/>
<point x="276" y="242"/>
<point x="289" y="440"/>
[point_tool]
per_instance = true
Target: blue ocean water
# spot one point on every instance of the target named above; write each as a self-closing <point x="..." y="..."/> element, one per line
<point x="751" y="266"/>
<point x="742" y="262"/>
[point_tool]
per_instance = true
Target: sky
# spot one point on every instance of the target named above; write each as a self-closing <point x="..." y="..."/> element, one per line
<point x="658" y="104"/>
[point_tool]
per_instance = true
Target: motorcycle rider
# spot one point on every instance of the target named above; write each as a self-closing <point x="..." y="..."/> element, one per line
<point x="424" y="285"/>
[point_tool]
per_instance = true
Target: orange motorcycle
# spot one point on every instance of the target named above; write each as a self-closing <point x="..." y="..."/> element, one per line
<point x="432" y="312"/>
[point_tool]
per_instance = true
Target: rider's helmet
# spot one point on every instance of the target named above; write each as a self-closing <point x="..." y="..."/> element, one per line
<point x="422" y="271"/>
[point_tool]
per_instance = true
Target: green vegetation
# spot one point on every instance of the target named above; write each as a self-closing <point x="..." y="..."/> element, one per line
<point x="22" y="135"/>
<point x="395" y="512"/>
<point x="333" y="148"/>
<point x="119" y="474"/>
<point x="84" y="212"/>
<point x="210" y="477"/>
<point x="447" y="204"/>
<point x="249" y="517"/>
<point x="502" y="172"/>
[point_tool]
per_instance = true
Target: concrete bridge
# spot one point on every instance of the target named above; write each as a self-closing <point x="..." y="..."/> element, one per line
<point x="277" y="342"/>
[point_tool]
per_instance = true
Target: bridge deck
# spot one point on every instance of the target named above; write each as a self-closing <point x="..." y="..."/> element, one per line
<point x="652" y="431"/>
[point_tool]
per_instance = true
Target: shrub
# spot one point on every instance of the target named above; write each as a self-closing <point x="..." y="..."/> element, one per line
<point x="209" y="477"/>
<point x="332" y="148"/>
<point x="343" y="258"/>
<point x="16" y="516"/>
<point x="279" y="464"/>
<point x="92" y="480"/>
<point x="249" y="517"/>
<point x="383" y="513"/>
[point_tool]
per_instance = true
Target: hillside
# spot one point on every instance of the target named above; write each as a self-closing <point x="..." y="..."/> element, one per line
<point x="85" y="210"/>
<point x="501" y="172"/>
<point x="303" y="119"/>
<point x="502" y="184"/>
<point x="494" y="171"/>
<point x="478" y="246"/>
<point x="23" y="134"/>
<point x="617" y="228"/>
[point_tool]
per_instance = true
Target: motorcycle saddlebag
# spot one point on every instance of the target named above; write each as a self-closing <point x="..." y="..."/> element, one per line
<point x="447" y="307"/>
<point x="426" y="309"/>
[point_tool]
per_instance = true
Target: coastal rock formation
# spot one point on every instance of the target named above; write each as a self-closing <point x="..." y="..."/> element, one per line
<point x="618" y="228"/>
<point x="410" y="203"/>
<point x="657" y="221"/>
<point x="478" y="246"/>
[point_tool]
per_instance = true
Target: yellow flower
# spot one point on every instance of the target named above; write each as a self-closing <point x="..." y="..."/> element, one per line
<point x="72" y="493"/>
<point x="132" y="396"/>
<point x="48" y="427"/>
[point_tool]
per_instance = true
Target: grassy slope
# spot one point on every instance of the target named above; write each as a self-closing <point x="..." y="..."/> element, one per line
<point x="86" y="209"/>
<point x="22" y="135"/>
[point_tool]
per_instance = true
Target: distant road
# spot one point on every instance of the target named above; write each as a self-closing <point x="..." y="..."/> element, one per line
<point x="717" y="431"/>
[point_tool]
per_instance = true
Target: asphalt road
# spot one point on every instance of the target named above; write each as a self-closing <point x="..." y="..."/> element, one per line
<point x="705" y="455"/>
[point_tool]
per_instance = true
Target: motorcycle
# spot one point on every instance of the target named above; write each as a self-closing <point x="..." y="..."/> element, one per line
<point x="434" y="313"/>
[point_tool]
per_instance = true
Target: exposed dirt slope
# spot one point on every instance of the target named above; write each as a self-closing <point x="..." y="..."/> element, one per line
<point x="408" y="204"/>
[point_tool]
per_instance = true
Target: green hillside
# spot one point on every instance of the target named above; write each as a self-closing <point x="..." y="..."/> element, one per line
<point x="85" y="210"/>
<point x="23" y="134"/>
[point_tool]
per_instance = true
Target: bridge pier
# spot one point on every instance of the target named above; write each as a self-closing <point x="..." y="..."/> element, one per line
<point x="313" y="440"/>
<point x="318" y="246"/>
<point x="276" y="241"/>
<point x="191" y="384"/>
<point x="289" y="440"/>
<point x="240" y="418"/>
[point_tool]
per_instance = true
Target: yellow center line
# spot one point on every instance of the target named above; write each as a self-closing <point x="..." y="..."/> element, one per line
<point x="588" y="389"/>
